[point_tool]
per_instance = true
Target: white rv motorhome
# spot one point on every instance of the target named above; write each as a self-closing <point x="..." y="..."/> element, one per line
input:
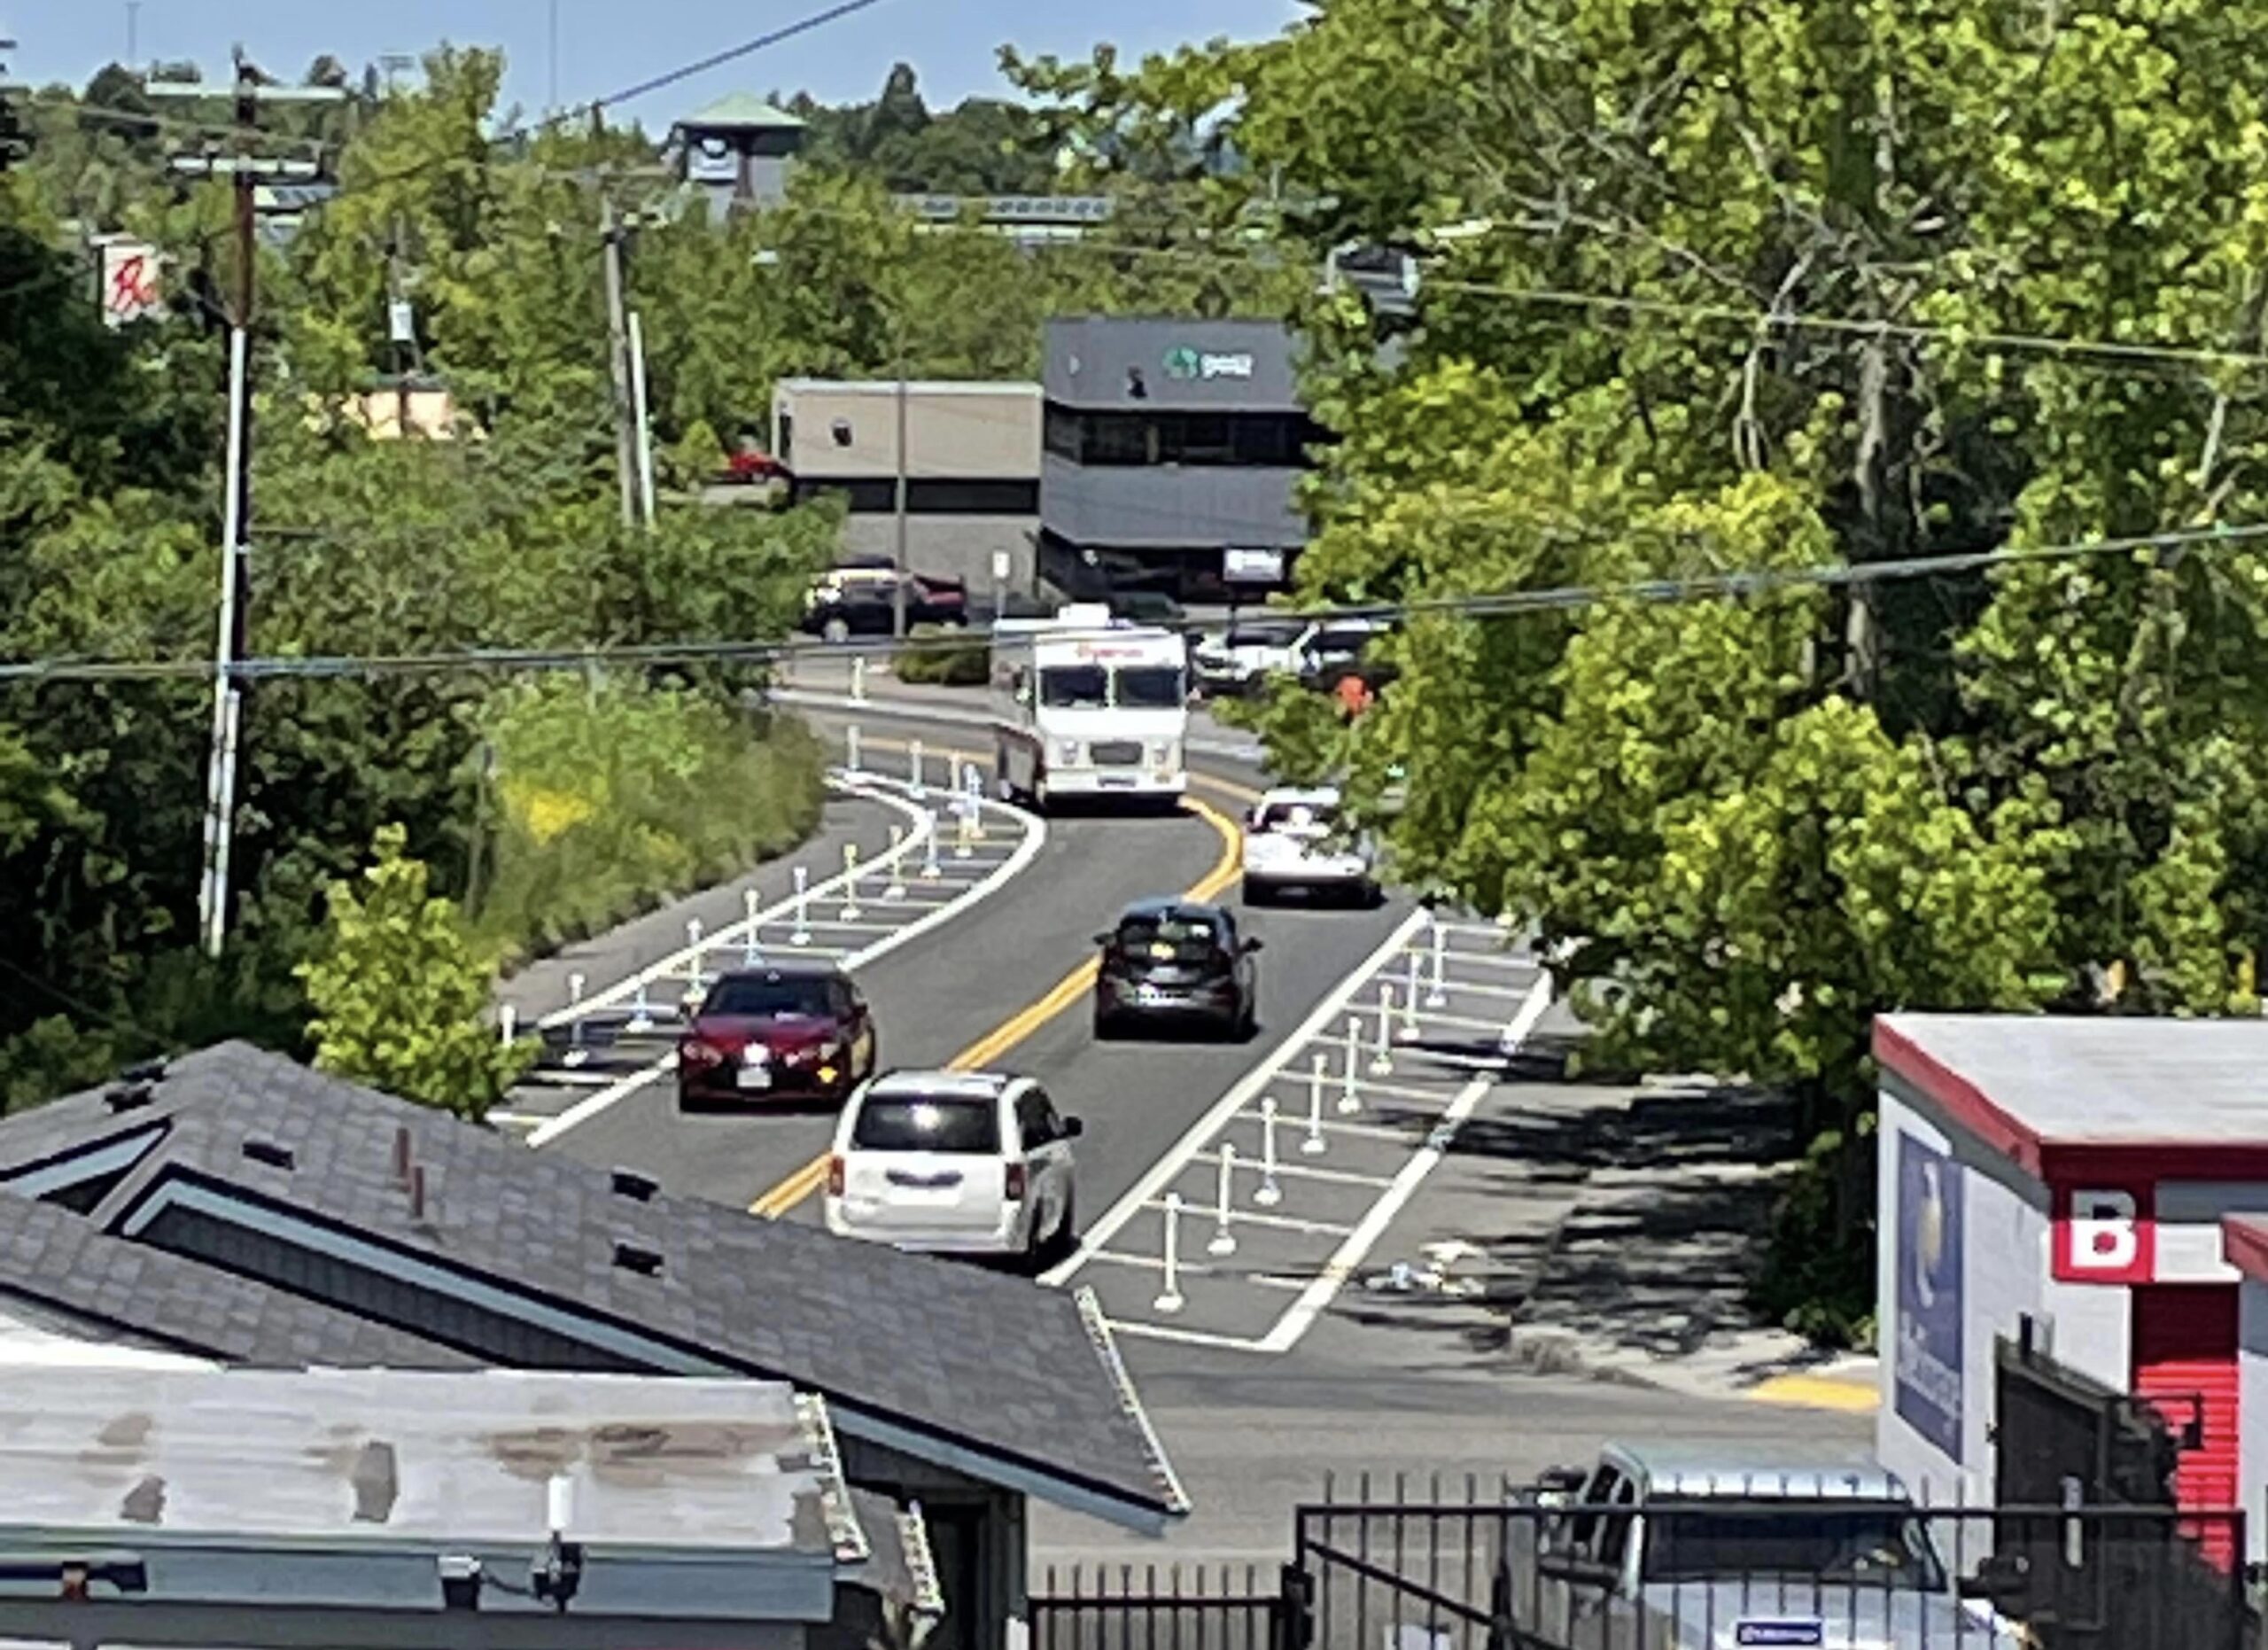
<point x="1087" y="705"/>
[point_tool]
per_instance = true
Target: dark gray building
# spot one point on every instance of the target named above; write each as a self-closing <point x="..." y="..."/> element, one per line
<point x="1167" y="443"/>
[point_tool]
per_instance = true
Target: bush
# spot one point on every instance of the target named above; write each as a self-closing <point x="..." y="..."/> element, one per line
<point x="1819" y="1271"/>
<point x="602" y="801"/>
<point x="943" y="663"/>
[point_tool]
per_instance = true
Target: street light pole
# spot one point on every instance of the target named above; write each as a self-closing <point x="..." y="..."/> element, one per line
<point x="897" y="613"/>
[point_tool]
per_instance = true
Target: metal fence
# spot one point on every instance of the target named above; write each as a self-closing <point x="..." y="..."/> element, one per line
<point x="1502" y="1567"/>
<point x="1123" y="1607"/>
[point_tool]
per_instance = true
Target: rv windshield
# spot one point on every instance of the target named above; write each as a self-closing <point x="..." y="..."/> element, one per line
<point x="1074" y="688"/>
<point x="1149" y="687"/>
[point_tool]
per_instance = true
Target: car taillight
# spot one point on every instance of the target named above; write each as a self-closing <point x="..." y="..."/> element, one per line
<point x="1015" y="1182"/>
<point x="695" y="1052"/>
<point x="834" y="1175"/>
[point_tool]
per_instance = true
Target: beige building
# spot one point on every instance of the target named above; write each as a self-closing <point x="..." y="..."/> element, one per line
<point x="972" y="468"/>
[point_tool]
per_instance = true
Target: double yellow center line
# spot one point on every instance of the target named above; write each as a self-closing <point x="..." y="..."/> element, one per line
<point x="1064" y="992"/>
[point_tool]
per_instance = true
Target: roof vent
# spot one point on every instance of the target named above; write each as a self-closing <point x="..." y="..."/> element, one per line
<point x="401" y="1155"/>
<point x="645" y="1262"/>
<point x="269" y="1153"/>
<point x="631" y="1184"/>
<point x="130" y="1096"/>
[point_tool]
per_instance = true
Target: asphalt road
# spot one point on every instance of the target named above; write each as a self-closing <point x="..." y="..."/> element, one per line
<point x="981" y="977"/>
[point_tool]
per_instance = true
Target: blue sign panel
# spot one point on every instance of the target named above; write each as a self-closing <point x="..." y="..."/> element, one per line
<point x="1813" y="1632"/>
<point x="1927" y="1375"/>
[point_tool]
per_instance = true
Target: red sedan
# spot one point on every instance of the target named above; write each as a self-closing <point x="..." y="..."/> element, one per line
<point x="791" y="1030"/>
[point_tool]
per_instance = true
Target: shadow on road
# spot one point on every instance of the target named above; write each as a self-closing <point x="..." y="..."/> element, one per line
<point x="1631" y="1220"/>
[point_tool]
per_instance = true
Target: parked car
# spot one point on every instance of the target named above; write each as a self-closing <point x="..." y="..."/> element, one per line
<point x="967" y="1162"/>
<point x="753" y="468"/>
<point x="793" y="1031"/>
<point x="1172" y="963"/>
<point x="860" y="599"/>
<point x="1235" y="660"/>
<point x="1661" y="1547"/>
<point x="1291" y="844"/>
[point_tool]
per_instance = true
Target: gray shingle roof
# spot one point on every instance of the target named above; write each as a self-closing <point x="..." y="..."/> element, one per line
<point x="72" y="1269"/>
<point x="987" y="1362"/>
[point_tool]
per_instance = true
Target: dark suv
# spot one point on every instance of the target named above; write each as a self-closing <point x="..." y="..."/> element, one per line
<point x="1170" y="961"/>
<point x="860" y="598"/>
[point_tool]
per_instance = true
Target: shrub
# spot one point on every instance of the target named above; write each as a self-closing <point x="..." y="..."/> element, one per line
<point x="601" y="801"/>
<point x="944" y="663"/>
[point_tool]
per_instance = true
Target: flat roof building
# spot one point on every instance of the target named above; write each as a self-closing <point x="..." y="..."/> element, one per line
<point x="1168" y="443"/>
<point x="972" y="467"/>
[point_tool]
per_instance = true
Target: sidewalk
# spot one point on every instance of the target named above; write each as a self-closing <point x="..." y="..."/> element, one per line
<point x="1611" y="1231"/>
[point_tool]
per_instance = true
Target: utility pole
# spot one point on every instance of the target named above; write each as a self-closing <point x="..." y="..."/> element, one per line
<point x="610" y="233"/>
<point x="244" y="169"/>
<point x="642" y="429"/>
<point x="552" y="41"/>
<point x="897" y="600"/>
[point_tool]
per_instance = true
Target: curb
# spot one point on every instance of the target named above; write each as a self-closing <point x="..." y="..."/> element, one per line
<point x="1544" y="1350"/>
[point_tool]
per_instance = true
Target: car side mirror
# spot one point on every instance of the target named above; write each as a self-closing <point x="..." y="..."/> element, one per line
<point x="1102" y="939"/>
<point x="1252" y="820"/>
<point x="1251" y="946"/>
<point x="1072" y="1128"/>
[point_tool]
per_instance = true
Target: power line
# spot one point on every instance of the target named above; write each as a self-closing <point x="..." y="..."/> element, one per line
<point x="1704" y="587"/>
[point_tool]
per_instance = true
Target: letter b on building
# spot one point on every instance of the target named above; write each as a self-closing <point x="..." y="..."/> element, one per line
<point x="2104" y="1238"/>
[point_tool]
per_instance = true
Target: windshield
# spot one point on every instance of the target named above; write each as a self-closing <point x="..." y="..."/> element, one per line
<point x="1181" y="939"/>
<point x="917" y="1123"/>
<point x="1299" y="816"/>
<point x="781" y="998"/>
<point x="1149" y="687"/>
<point x="1875" y="1545"/>
<point x="1074" y="686"/>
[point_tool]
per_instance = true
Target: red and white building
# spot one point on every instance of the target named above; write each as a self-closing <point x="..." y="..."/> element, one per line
<point x="2099" y="1187"/>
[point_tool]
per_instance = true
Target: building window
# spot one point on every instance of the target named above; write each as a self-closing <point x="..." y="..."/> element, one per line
<point x="1273" y="441"/>
<point x="877" y="495"/>
<point x="973" y="498"/>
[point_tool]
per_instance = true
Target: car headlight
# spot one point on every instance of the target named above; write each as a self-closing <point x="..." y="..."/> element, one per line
<point x="1066" y="750"/>
<point x="1162" y="753"/>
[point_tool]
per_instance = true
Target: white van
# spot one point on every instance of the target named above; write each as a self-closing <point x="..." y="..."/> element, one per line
<point x="1085" y="706"/>
<point x="964" y="1162"/>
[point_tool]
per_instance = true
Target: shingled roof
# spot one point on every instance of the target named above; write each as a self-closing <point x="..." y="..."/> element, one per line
<point x="73" y="1271"/>
<point x="973" y="1362"/>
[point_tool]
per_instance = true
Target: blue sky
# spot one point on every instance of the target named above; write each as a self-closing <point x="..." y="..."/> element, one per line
<point x="606" y="44"/>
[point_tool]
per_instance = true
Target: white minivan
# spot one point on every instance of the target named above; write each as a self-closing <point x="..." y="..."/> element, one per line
<point x="962" y="1163"/>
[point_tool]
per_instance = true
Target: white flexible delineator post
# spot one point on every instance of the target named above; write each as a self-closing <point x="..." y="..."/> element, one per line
<point x="915" y="786"/>
<point x="1382" y="1059"/>
<point x="851" y="741"/>
<point x="751" y="948"/>
<point x="1349" y="1102"/>
<point x="1410" y="998"/>
<point x="1438" y="996"/>
<point x="930" y="869"/>
<point x="694" y="955"/>
<point x="1225" y="1241"/>
<point x="1171" y="1299"/>
<point x="801" y="934"/>
<point x="894" y="889"/>
<point x="1270" y="1194"/>
<point x="850" y="912"/>
<point x="576" y="1054"/>
<point x="1315" y="1145"/>
<point x="507" y="1025"/>
<point x="641" y="1010"/>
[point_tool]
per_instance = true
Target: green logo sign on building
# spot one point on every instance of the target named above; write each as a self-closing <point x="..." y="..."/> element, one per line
<point x="1185" y="364"/>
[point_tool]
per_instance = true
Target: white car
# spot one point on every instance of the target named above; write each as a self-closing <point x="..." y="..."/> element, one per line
<point x="961" y="1163"/>
<point x="1292" y="840"/>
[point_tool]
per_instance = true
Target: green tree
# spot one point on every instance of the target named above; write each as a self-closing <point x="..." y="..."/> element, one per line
<point x="398" y="994"/>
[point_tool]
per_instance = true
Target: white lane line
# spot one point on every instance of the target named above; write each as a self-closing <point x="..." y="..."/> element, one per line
<point x="1317" y="1296"/>
<point x="1281" y="1222"/>
<point x="1246" y="1090"/>
<point x="1361" y="1131"/>
<point x="1035" y="839"/>
<point x="1299" y="1171"/>
<point x="1186" y="1337"/>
